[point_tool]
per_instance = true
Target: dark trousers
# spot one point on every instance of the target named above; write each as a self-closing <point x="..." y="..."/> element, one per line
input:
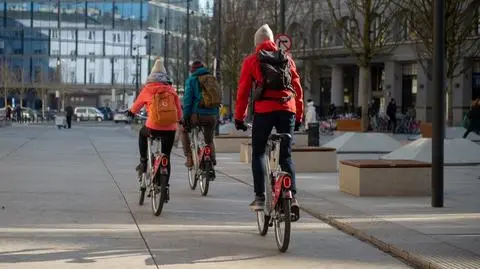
<point x="393" y="124"/>
<point x="467" y="132"/>
<point x="69" y="122"/>
<point x="263" y="123"/>
<point x="166" y="138"/>
<point x="208" y="123"/>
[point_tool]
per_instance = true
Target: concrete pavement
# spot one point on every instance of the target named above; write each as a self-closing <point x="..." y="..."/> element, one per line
<point x="408" y="227"/>
<point x="69" y="200"/>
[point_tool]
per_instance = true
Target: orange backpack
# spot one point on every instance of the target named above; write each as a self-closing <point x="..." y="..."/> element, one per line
<point x="163" y="109"/>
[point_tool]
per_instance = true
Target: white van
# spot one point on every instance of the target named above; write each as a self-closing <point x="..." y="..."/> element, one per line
<point x="88" y="113"/>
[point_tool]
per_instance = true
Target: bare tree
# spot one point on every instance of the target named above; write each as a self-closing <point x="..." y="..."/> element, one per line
<point x="7" y="78"/>
<point x="461" y="23"/>
<point x="366" y="28"/>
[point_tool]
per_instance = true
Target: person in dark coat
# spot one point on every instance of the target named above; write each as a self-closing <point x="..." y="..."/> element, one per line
<point x="18" y="112"/>
<point x="392" y="114"/>
<point x="473" y="118"/>
<point x="69" y="110"/>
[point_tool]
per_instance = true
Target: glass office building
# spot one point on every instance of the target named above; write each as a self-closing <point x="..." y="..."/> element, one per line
<point x="86" y="52"/>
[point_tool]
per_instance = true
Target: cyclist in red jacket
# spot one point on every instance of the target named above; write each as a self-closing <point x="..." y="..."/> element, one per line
<point x="278" y="103"/>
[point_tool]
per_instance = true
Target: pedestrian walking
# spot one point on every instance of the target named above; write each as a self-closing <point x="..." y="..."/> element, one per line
<point x="472" y="119"/>
<point x="392" y="114"/>
<point x="69" y="114"/>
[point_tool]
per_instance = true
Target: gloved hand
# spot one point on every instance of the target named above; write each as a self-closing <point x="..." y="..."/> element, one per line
<point x="129" y="114"/>
<point x="240" y="125"/>
<point x="187" y="124"/>
<point x="297" y="126"/>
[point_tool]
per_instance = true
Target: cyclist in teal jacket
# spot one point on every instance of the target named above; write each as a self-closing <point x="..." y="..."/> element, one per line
<point x="195" y="115"/>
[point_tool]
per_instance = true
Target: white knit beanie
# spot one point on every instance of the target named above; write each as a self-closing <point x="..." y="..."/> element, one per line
<point x="263" y="33"/>
<point x="158" y="67"/>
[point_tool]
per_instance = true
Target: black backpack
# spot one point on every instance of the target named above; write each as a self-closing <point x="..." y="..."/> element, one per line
<point x="275" y="68"/>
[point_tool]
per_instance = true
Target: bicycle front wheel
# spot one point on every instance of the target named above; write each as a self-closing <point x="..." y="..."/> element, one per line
<point x="283" y="224"/>
<point x="192" y="179"/>
<point x="262" y="222"/>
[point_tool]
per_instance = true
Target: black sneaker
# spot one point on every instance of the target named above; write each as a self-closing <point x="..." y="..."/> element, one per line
<point x="141" y="168"/>
<point x="295" y="210"/>
<point x="258" y="204"/>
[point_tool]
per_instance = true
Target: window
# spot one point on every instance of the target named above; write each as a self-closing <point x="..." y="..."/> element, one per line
<point x="73" y="77"/>
<point x="37" y="51"/>
<point x="91" y="77"/>
<point x="114" y="37"/>
<point x="91" y="35"/>
<point x="118" y="38"/>
<point x="55" y="52"/>
<point x="115" y="77"/>
<point x="92" y="58"/>
<point x="54" y="34"/>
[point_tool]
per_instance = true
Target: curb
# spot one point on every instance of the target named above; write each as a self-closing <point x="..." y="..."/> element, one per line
<point x="406" y="256"/>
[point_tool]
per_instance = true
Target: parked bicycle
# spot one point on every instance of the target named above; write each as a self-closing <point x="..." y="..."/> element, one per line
<point x="278" y="198"/>
<point x="154" y="181"/>
<point x="203" y="169"/>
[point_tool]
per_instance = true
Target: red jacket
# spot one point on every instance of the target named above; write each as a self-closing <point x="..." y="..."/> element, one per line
<point x="145" y="98"/>
<point x="251" y="73"/>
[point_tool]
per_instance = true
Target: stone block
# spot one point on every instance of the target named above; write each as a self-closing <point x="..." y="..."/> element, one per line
<point x="385" y="178"/>
<point x="229" y="143"/>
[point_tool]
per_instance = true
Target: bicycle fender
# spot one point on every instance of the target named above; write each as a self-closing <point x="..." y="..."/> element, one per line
<point x="287" y="195"/>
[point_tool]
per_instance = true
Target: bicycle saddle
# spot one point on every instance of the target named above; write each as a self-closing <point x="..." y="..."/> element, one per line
<point x="280" y="136"/>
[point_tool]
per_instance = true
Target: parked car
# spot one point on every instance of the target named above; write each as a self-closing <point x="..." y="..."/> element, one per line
<point x="120" y="116"/>
<point x="84" y="113"/>
<point x="107" y="112"/>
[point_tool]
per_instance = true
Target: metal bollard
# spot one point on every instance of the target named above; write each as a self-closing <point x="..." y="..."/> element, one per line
<point x="313" y="134"/>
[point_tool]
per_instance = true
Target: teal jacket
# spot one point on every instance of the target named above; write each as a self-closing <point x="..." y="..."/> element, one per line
<point x="192" y="95"/>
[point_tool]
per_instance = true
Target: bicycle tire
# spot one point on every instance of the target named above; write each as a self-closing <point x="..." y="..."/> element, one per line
<point x="141" y="199"/>
<point x="283" y="240"/>
<point x="204" y="184"/>
<point x="262" y="222"/>
<point x="162" y="192"/>
<point x="192" y="179"/>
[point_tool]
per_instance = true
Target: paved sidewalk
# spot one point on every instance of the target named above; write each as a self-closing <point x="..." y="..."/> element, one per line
<point x="408" y="227"/>
<point x="69" y="199"/>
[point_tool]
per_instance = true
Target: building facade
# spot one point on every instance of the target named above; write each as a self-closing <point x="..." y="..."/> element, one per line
<point x="330" y="73"/>
<point x="71" y="52"/>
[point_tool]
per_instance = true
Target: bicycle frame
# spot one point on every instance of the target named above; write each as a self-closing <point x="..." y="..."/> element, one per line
<point x="280" y="182"/>
<point x="200" y="150"/>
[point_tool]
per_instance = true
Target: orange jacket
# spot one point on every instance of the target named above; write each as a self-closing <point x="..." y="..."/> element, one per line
<point x="145" y="98"/>
<point x="251" y="73"/>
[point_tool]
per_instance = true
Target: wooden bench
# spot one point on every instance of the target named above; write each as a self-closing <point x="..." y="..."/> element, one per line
<point x="306" y="159"/>
<point x="426" y="129"/>
<point x="246" y="152"/>
<point x="385" y="177"/>
<point x="229" y="143"/>
<point x="349" y="125"/>
<point x="300" y="139"/>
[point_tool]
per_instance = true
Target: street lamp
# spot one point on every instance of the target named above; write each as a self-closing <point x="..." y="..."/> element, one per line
<point x="438" y="124"/>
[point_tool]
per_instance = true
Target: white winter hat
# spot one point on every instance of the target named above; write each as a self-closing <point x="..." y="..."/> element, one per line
<point x="263" y="33"/>
<point x="158" y="67"/>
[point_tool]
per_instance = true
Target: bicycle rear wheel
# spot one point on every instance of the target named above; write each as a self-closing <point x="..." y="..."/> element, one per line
<point x="282" y="234"/>
<point x="159" y="195"/>
<point x="204" y="183"/>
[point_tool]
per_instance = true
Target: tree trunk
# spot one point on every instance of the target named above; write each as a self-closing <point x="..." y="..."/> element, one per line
<point x="364" y="95"/>
<point x="450" y="102"/>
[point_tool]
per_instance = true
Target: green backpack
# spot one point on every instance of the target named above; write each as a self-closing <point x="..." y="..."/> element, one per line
<point x="209" y="91"/>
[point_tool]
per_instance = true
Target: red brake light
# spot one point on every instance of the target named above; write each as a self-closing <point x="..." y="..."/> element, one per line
<point x="287" y="182"/>
<point x="208" y="150"/>
<point x="164" y="161"/>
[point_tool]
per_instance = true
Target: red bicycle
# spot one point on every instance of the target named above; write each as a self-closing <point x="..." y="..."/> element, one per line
<point x="155" y="179"/>
<point x="278" y="198"/>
